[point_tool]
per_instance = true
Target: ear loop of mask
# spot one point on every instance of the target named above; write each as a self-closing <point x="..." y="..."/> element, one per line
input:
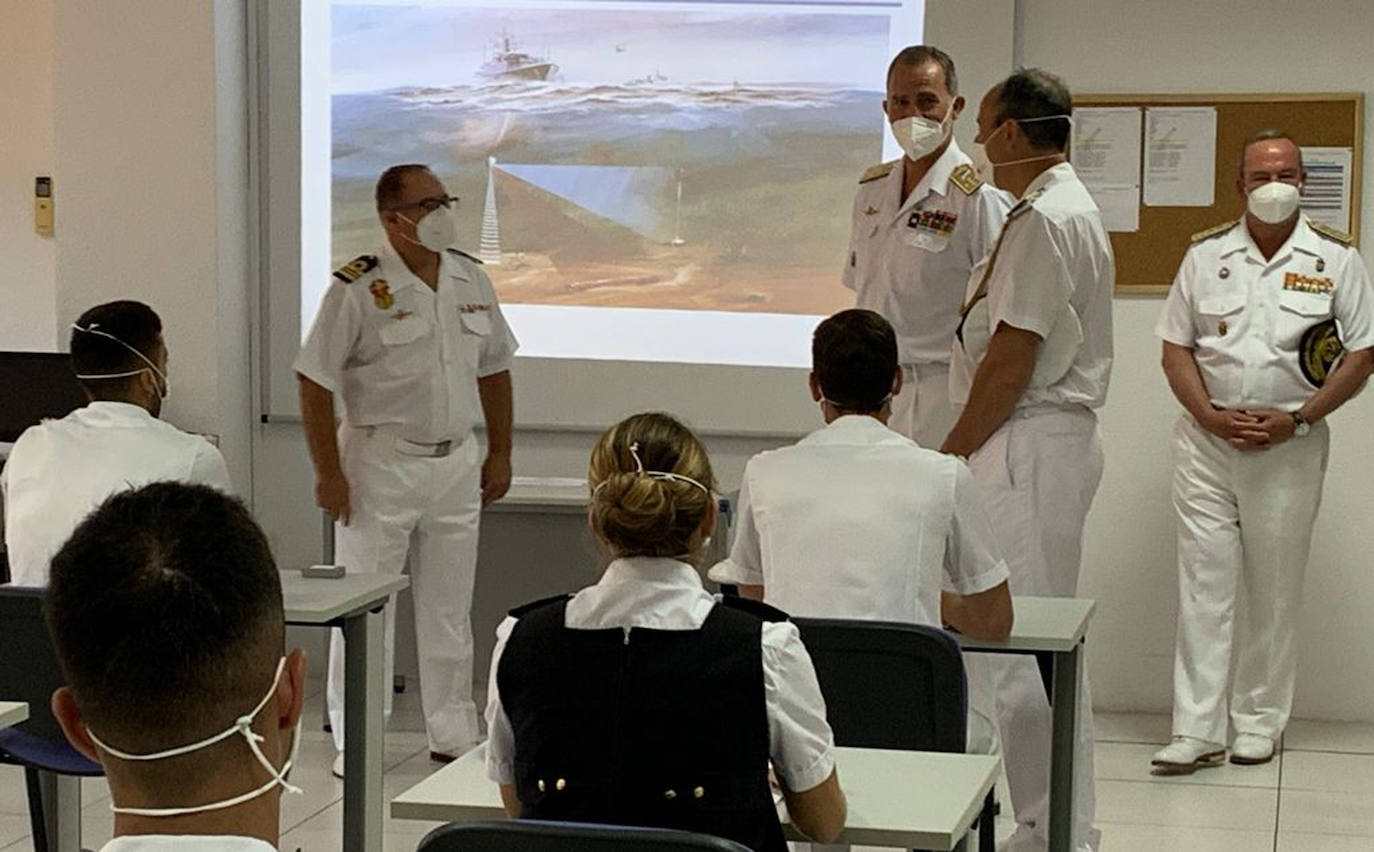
<point x="884" y="401"/>
<point x="243" y="726"/>
<point x="1067" y="118"/>
<point x="93" y="329"/>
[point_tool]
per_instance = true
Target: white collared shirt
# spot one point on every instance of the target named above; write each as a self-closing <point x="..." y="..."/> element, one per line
<point x="1244" y="317"/>
<point x="399" y="353"/>
<point x="857" y="521"/>
<point x="663" y="594"/>
<point x="187" y="843"/>
<point x="910" y="261"/>
<point x="60" y="470"/>
<point x="1052" y="275"/>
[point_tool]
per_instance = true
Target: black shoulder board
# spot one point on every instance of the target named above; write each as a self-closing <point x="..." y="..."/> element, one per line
<point x="465" y="254"/>
<point x="356" y="268"/>
<point x="759" y="609"/>
<point x="526" y="609"/>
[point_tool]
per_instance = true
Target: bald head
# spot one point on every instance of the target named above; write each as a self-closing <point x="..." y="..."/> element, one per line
<point x="1270" y="156"/>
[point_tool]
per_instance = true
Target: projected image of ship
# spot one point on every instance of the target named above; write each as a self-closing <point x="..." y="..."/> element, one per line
<point x="508" y="62"/>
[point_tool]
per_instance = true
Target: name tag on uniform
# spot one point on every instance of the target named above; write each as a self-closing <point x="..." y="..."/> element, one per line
<point x="1307" y="283"/>
<point x="473" y="309"/>
<point x="929" y="229"/>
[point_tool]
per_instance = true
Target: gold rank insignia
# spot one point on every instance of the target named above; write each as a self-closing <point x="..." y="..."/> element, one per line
<point x="356" y="268"/>
<point x="966" y="179"/>
<point x="381" y="294"/>
<point x="1331" y="233"/>
<point x="870" y="210"/>
<point x="1318" y="351"/>
<point x="881" y="170"/>
<point x="1221" y="328"/>
<point x="1307" y="283"/>
<point x="1214" y="231"/>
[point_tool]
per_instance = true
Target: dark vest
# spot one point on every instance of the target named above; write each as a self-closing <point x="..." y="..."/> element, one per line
<point x="661" y="728"/>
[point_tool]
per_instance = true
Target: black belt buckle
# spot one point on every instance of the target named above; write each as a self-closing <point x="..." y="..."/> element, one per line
<point x="442" y="448"/>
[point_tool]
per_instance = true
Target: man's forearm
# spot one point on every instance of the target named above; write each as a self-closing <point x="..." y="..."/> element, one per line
<point x="1001" y="378"/>
<point x="1185" y="380"/>
<point x="1343" y="383"/>
<point x="317" y="412"/>
<point x="498" y="407"/>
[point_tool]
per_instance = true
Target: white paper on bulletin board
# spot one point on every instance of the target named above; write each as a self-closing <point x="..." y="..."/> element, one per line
<point x="1180" y="156"/>
<point x="1326" y="192"/>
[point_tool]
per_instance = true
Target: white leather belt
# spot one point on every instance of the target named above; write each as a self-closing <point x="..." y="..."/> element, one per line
<point x="423" y="449"/>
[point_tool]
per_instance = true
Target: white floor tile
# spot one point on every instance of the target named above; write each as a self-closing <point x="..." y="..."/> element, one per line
<point x="1131" y="762"/>
<point x="1123" y="837"/>
<point x="1347" y="737"/>
<point x="1290" y="841"/>
<point x="1148" y="803"/>
<point x="14" y="797"/>
<point x="1151" y="728"/>
<point x="1311" y="770"/>
<point x="14" y="829"/>
<point x="1325" y="812"/>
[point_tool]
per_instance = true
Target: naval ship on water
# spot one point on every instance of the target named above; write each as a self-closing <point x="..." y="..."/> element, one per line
<point x="508" y="62"/>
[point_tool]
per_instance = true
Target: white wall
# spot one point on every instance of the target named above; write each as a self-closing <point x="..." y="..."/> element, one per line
<point x="1232" y="46"/>
<point x="28" y="279"/>
<point x="150" y="111"/>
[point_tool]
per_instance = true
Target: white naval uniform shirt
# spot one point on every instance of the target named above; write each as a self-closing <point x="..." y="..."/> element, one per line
<point x="1244" y="317"/>
<point x="1052" y="274"/>
<point x="857" y="521"/>
<point x="399" y="353"/>
<point x="186" y="843"/>
<point x="61" y="470"/>
<point x="910" y="261"/>
<point x="663" y="594"/>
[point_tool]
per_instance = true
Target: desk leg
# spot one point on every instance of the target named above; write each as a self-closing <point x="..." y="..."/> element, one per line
<point x="1064" y="707"/>
<point x="363" y="673"/>
<point x="61" y="795"/>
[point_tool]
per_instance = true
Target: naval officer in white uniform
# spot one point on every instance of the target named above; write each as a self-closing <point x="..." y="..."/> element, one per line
<point x="1259" y="314"/>
<point x="413" y="342"/>
<point x="919" y="225"/>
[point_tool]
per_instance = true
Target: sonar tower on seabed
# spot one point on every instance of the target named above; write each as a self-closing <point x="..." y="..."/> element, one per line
<point x="489" y="248"/>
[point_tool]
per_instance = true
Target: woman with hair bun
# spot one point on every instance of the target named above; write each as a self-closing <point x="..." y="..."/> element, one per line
<point x="646" y="700"/>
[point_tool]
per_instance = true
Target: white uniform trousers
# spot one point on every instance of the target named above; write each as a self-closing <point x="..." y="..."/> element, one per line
<point x="426" y="509"/>
<point x="922" y="411"/>
<point x="1244" y="523"/>
<point x="1039" y="473"/>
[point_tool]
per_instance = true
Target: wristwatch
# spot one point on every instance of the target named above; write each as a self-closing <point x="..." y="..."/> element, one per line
<point x="1300" y="425"/>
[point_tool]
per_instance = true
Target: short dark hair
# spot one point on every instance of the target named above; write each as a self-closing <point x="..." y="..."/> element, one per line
<point x="132" y="322"/>
<point x="1031" y="93"/>
<point x="165" y="609"/>
<point x="1266" y="135"/>
<point x="854" y="356"/>
<point x="920" y="54"/>
<point x="388" y="190"/>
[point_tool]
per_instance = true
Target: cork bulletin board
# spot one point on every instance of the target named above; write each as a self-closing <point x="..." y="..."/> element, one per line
<point x="1147" y="259"/>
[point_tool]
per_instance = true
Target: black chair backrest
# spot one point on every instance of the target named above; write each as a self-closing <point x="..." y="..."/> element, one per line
<point x="532" y="836"/>
<point x="28" y="664"/>
<point x="888" y="684"/>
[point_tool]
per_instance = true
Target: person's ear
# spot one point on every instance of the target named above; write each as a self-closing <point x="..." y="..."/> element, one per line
<point x="885" y="112"/>
<point x="815" y="384"/>
<point x="956" y="109"/>
<point x="708" y="523"/>
<point x="897" y="380"/>
<point x="68" y="715"/>
<point x="1240" y="186"/>
<point x="291" y="691"/>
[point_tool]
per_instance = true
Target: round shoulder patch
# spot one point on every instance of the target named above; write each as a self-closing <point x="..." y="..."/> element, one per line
<point x="1318" y="351"/>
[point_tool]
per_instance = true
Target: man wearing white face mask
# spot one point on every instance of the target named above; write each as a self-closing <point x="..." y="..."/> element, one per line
<point x="1267" y="330"/>
<point x="1031" y="362"/>
<point x="61" y="469"/>
<point x="919" y="225"/>
<point x="177" y="680"/>
<point x="414" y="343"/>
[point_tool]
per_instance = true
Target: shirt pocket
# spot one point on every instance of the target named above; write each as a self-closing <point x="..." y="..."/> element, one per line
<point x="1298" y="312"/>
<point x="406" y="342"/>
<point x="476" y="329"/>
<point x="1217" y="315"/>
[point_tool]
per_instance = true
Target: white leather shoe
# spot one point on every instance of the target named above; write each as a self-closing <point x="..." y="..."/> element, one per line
<point x="1252" y="749"/>
<point x="1186" y="754"/>
<point x="337" y="768"/>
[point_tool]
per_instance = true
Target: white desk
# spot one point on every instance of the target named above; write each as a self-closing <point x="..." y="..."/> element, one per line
<point x="353" y="602"/>
<point x="906" y="799"/>
<point x="1057" y="627"/>
<point x="12" y="713"/>
<point x="555" y="495"/>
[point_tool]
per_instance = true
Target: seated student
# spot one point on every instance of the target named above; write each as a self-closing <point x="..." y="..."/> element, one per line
<point x="645" y="700"/>
<point x="60" y="470"/>
<point x="857" y="521"/>
<point x="165" y="608"/>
